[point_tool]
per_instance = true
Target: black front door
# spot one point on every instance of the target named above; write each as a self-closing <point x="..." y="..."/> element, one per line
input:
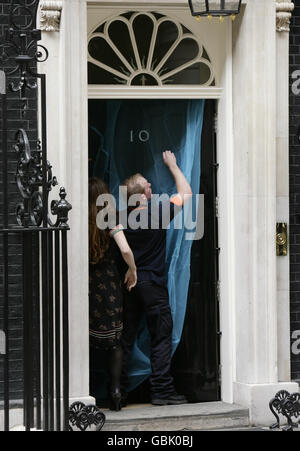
<point x="196" y="361"/>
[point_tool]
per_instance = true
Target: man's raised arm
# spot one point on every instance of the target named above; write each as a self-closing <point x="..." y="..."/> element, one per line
<point x="183" y="187"/>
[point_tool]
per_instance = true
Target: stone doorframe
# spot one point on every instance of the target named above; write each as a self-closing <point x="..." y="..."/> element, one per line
<point x="254" y="185"/>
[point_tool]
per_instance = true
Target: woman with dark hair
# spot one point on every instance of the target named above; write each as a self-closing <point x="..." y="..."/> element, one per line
<point x="105" y="288"/>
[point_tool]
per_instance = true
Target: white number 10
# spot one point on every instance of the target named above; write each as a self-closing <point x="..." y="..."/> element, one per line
<point x="143" y="136"/>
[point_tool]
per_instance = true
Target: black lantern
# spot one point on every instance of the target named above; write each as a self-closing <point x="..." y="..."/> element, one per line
<point x="212" y="8"/>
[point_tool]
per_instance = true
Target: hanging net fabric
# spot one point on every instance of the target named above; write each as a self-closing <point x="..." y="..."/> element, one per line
<point x="137" y="132"/>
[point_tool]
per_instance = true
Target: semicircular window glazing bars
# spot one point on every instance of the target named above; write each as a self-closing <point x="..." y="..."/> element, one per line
<point x="147" y="49"/>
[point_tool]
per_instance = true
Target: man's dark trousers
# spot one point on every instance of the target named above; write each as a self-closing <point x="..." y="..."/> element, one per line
<point x="153" y="299"/>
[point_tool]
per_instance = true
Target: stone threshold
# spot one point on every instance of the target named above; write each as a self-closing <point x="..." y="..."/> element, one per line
<point x="186" y="417"/>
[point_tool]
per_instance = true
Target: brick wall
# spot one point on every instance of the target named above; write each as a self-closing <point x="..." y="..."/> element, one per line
<point x="29" y="123"/>
<point x="295" y="189"/>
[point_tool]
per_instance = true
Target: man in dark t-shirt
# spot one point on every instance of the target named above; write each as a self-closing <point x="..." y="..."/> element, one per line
<point x="149" y="242"/>
<point x="146" y="235"/>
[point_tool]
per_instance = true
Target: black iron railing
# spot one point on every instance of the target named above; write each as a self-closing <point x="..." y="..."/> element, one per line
<point x="42" y="229"/>
<point x="44" y="241"/>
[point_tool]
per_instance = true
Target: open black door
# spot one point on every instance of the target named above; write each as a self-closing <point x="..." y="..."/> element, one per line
<point x="196" y="362"/>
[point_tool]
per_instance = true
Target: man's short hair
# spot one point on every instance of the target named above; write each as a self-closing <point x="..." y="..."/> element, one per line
<point x="133" y="185"/>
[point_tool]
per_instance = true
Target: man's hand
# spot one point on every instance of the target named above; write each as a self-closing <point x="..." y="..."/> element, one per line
<point x="182" y="185"/>
<point x="169" y="159"/>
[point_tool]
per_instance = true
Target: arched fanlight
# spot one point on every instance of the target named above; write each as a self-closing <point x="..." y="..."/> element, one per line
<point x="219" y="8"/>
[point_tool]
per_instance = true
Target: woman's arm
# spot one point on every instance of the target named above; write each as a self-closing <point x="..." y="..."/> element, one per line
<point x="119" y="237"/>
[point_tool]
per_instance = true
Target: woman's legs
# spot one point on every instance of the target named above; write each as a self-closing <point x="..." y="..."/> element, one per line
<point x="115" y="367"/>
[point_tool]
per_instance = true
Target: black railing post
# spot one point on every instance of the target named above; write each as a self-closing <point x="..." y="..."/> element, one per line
<point x="5" y="248"/>
<point x="45" y="329"/>
<point x="28" y="331"/>
<point x="58" y="329"/>
<point x="51" y="333"/>
<point x="44" y="147"/>
<point x="37" y="346"/>
<point x="65" y="329"/>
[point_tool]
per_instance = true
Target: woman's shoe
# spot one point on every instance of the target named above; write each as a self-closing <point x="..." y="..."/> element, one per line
<point x="115" y="400"/>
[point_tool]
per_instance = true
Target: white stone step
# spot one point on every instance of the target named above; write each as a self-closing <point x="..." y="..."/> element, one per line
<point x="208" y="415"/>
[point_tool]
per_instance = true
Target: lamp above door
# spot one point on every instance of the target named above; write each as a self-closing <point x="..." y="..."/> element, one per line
<point x="219" y="8"/>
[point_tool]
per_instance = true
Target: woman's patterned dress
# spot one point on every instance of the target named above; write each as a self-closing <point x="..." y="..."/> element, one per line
<point x="106" y="300"/>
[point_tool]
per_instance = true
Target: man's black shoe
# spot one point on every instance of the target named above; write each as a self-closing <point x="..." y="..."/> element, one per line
<point x="170" y="401"/>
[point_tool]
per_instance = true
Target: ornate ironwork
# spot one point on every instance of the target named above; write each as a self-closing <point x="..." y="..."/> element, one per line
<point x="288" y="405"/>
<point x="45" y="259"/>
<point x="44" y="242"/>
<point x="34" y="176"/>
<point x="61" y="209"/>
<point x="30" y="182"/>
<point x="82" y="417"/>
<point x="21" y="46"/>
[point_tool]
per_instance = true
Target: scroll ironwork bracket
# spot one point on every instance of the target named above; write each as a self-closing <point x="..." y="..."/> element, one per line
<point x="287" y="405"/>
<point x="82" y="417"/>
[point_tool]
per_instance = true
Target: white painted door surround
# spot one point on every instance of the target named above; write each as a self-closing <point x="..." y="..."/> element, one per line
<point x="253" y="194"/>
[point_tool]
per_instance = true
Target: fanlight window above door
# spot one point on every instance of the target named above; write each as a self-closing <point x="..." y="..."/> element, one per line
<point x="147" y="49"/>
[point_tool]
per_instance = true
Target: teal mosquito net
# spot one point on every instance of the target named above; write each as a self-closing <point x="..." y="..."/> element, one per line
<point x="137" y="132"/>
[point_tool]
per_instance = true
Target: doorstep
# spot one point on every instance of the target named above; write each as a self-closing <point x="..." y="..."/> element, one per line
<point x="188" y="417"/>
